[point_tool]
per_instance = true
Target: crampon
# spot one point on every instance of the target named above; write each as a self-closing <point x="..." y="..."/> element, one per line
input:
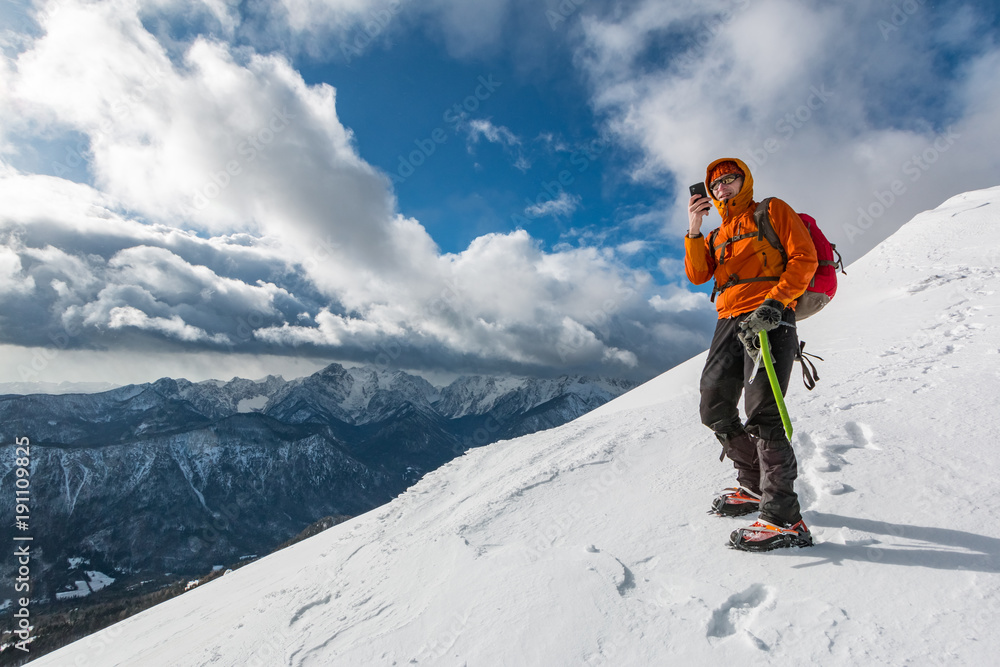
<point x="764" y="536"/>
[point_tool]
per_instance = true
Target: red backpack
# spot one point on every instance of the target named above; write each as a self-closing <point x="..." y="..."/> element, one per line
<point x="824" y="283"/>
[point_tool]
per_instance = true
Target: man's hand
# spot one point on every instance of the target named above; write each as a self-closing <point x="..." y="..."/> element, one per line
<point x="698" y="208"/>
<point x="751" y="342"/>
<point x="765" y="318"/>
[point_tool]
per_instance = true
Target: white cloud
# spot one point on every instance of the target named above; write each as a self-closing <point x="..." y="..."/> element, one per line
<point x="632" y="247"/>
<point x="174" y="326"/>
<point x="318" y="16"/>
<point x="563" y="205"/>
<point x="229" y="209"/>
<point x="226" y="204"/>
<point x="501" y="303"/>
<point x="218" y="145"/>
<point x="176" y="280"/>
<point x="676" y="301"/>
<point x="332" y="331"/>
<point x="348" y="29"/>
<point x="12" y="278"/>
<point x="828" y="110"/>
<point x="497" y="134"/>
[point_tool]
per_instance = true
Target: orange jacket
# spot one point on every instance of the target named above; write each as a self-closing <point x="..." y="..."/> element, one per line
<point x="749" y="257"/>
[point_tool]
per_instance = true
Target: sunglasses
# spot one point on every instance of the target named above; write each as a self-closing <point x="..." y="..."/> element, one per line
<point x="724" y="180"/>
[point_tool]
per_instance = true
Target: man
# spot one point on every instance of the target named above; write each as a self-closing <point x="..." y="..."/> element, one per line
<point x="755" y="290"/>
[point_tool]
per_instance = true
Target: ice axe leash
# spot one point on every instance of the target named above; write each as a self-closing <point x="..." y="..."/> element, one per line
<point x="765" y="353"/>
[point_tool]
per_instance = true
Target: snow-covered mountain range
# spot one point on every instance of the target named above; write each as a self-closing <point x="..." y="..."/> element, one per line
<point x="175" y="476"/>
<point x="589" y="544"/>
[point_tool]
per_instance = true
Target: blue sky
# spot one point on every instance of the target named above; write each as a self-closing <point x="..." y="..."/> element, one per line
<point x="462" y="183"/>
<point x="203" y="189"/>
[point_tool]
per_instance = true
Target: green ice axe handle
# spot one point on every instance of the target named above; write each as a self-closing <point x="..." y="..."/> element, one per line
<point x="765" y="352"/>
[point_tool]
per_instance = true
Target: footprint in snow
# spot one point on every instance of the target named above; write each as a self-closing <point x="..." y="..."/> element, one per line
<point x="819" y="458"/>
<point x="860" y="434"/>
<point x="735" y="614"/>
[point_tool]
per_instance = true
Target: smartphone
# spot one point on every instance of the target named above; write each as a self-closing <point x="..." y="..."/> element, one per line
<point x="698" y="189"/>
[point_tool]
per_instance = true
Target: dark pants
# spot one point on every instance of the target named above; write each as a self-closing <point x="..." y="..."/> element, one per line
<point x="761" y="454"/>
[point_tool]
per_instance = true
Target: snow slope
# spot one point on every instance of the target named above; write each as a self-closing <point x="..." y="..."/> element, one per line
<point x="589" y="544"/>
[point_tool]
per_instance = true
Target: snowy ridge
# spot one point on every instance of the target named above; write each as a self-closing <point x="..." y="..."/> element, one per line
<point x="356" y="396"/>
<point x="479" y="394"/>
<point x="54" y="387"/>
<point x="261" y="459"/>
<point x="589" y="544"/>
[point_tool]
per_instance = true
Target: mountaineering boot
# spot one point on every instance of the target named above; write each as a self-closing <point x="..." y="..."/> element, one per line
<point x="779" y="503"/>
<point x="764" y="536"/>
<point x="736" y="502"/>
<point x="741" y="448"/>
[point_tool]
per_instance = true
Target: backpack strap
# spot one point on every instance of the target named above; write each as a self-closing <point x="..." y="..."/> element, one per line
<point x="711" y="248"/>
<point x="809" y="374"/>
<point x="838" y="264"/>
<point x="765" y="230"/>
<point x="736" y="280"/>
<point x="711" y="242"/>
<point x="720" y="251"/>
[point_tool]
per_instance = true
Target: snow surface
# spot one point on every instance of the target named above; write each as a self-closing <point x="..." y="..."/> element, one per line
<point x="255" y="404"/>
<point x="589" y="544"/>
<point x="95" y="581"/>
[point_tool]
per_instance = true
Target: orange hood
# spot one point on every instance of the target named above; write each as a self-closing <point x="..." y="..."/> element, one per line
<point x="743" y="199"/>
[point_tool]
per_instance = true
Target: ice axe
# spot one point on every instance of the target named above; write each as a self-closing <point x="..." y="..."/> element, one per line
<point x="765" y="354"/>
